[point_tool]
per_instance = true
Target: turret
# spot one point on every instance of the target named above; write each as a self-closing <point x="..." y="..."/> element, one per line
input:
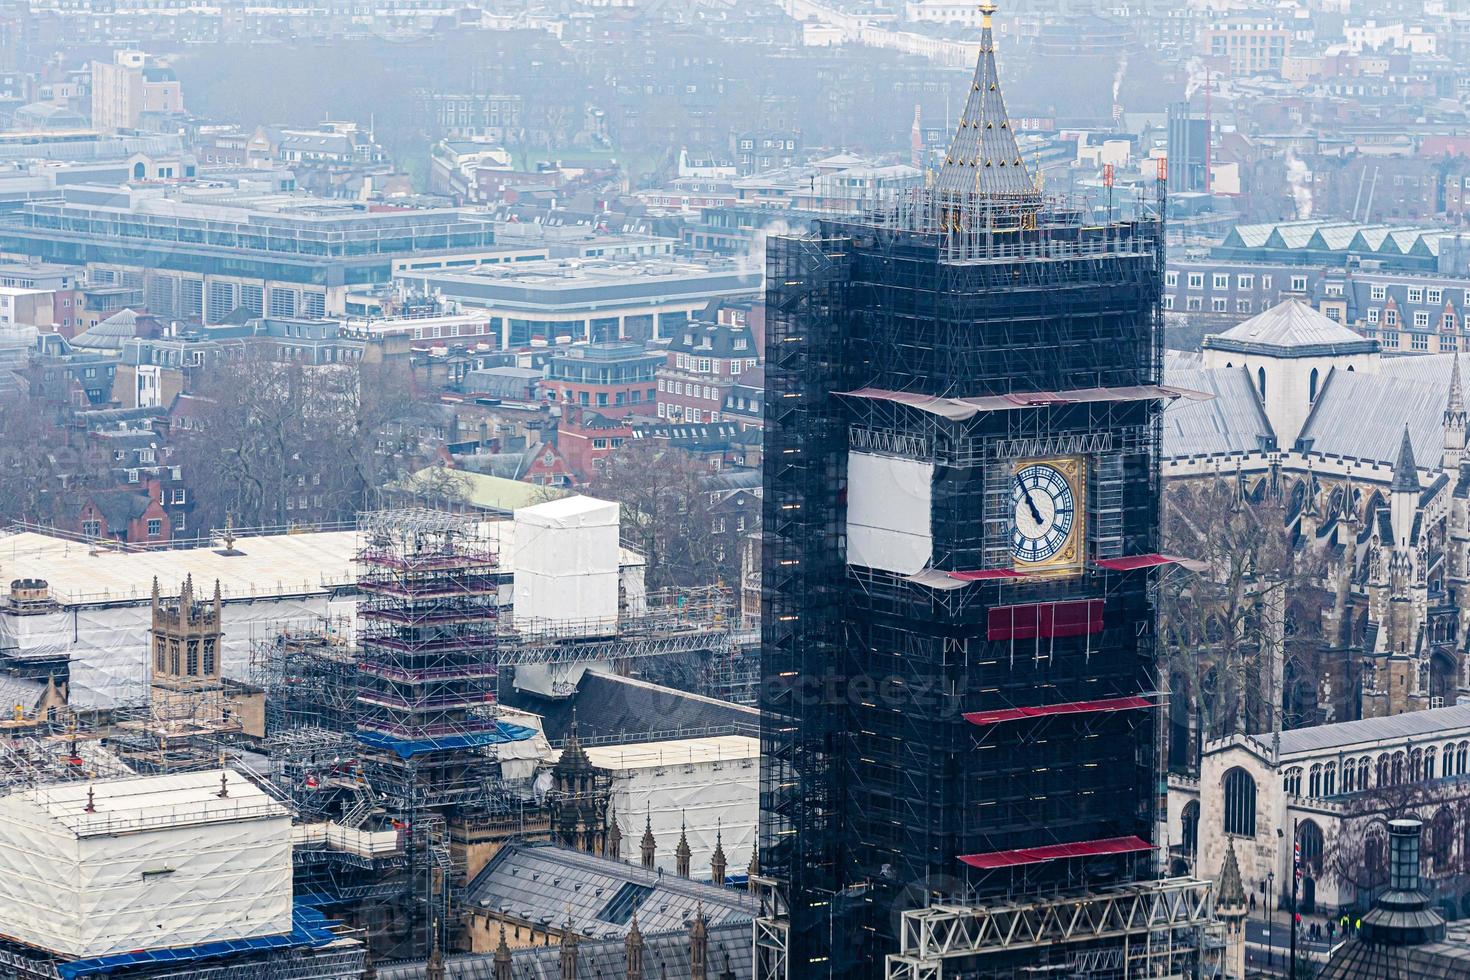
<point x="1404" y="496"/>
<point x="1454" y="421"/>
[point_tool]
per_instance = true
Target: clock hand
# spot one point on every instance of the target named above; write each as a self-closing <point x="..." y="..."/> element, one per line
<point x="1035" y="513"/>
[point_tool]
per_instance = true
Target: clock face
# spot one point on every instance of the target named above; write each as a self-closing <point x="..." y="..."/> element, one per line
<point x="1045" y="512"/>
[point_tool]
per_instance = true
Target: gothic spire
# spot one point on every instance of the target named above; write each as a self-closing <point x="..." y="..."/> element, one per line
<point x="1405" y="475"/>
<point x="503" y="961"/>
<point x="1455" y="404"/>
<point x="983" y="158"/>
<point x="1232" y="892"/>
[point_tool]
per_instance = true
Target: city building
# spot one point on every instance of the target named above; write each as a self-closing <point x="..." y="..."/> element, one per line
<point x="131" y="88"/>
<point x="1332" y="786"/>
<point x="705" y="362"/>
<point x="1365" y="452"/>
<point x="962" y="500"/>
<point x="202" y="888"/>
<point x="592" y="300"/>
<point x="200" y="254"/>
<point x="615" y="378"/>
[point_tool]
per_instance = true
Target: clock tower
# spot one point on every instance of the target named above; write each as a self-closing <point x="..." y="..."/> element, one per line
<point x="960" y="532"/>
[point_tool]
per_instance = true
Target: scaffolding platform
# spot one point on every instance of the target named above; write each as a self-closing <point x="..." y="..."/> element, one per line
<point x="1149" y="929"/>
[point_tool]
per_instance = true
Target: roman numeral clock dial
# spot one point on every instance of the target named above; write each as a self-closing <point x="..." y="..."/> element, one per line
<point x="1045" y="496"/>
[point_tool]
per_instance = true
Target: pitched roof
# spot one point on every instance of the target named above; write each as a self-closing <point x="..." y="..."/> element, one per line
<point x="613" y="708"/>
<point x="983" y="157"/>
<point x="1347" y="733"/>
<point x="1362" y="416"/>
<point x="1291" y="326"/>
<point x="1231" y="422"/>
<point x="109" y="334"/>
<point x="546" y="882"/>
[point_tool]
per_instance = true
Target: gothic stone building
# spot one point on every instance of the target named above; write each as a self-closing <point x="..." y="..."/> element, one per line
<point x="1367" y="454"/>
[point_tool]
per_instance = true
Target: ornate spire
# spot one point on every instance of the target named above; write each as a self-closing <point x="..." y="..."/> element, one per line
<point x="717" y="859"/>
<point x="633" y="951"/>
<point x="568" y="949"/>
<point x="502" y="957"/>
<point x="647" y="845"/>
<point x="698" y="945"/>
<point x="983" y="158"/>
<point x="613" y="847"/>
<point x="434" y="969"/>
<point x="1405" y="475"/>
<point x="1455" y="405"/>
<point x="681" y="851"/>
<point x="1232" y="892"/>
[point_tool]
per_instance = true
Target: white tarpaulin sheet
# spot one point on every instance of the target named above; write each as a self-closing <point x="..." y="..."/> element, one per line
<point x="566" y="566"/>
<point x="162" y="862"/>
<point x="709" y="785"/>
<point x="108" y="645"/>
<point x="888" y="513"/>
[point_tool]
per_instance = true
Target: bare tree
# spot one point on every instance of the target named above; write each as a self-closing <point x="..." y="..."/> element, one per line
<point x="667" y="513"/>
<point x="278" y="442"/>
<point x="1235" y="632"/>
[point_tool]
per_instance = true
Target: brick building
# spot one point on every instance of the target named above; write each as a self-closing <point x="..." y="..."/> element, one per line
<point x="704" y="361"/>
<point x="616" y="377"/>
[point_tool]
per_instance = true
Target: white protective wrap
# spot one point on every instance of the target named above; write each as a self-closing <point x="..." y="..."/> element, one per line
<point x="888" y="513"/>
<point x="162" y="862"/>
<point x="566" y="567"/>
<point x="709" y="785"/>
<point x="108" y="645"/>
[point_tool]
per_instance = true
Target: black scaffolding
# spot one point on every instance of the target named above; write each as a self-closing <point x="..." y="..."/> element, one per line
<point x="875" y="785"/>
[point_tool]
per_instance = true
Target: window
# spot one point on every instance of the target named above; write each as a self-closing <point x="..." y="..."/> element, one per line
<point x="1196" y="280"/>
<point x="1448" y="344"/>
<point x="1312" y="387"/>
<point x="1168" y="302"/>
<point x="1309" y="838"/>
<point x="1218" y="304"/>
<point x="1171" y="279"/>
<point x="179" y="496"/>
<point x="1266" y="283"/>
<point x="1291" y="781"/>
<point x="155" y="527"/>
<point x="1448" y="322"/>
<point x="1261" y="381"/>
<point x="1240" y="803"/>
<point x="1220" y="281"/>
<point x="1190" y="821"/>
<point x="1242" y="306"/>
<point x="1391" y="317"/>
<point x="93" y="528"/>
<point x="1421" y="318"/>
<point x="1373" y="314"/>
<point x="1245" y="282"/>
<point x="1416" y="294"/>
<point x="1314" y="781"/>
<point x="1334" y="314"/>
<point x="1418" y="341"/>
<point x="1435" y="296"/>
<point x="1298" y="284"/>
<point x="1378" y="292"/>
<point x="1192" y="303"/>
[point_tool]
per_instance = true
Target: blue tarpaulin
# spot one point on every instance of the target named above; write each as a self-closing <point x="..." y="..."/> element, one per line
<point x="407" y="748"/>
<point x="308" y="928"/>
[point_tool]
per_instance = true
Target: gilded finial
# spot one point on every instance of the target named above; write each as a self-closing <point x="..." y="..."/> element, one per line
<point x="987" y="8"/>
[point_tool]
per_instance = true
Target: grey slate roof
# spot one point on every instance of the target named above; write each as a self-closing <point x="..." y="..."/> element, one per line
<point x="1412" y="724"/>
<point x="109" y="334"/>
<point x="1358" y="960"/>
<point x="1362" y="416"/>
<point x="1294" y="326"/>
<point x="543" y="883"/>
<point x="608" y="706"/>
<point x="983" y="157"/>
<point x="665" y="957"/>
<point x="1231" y="422"/>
